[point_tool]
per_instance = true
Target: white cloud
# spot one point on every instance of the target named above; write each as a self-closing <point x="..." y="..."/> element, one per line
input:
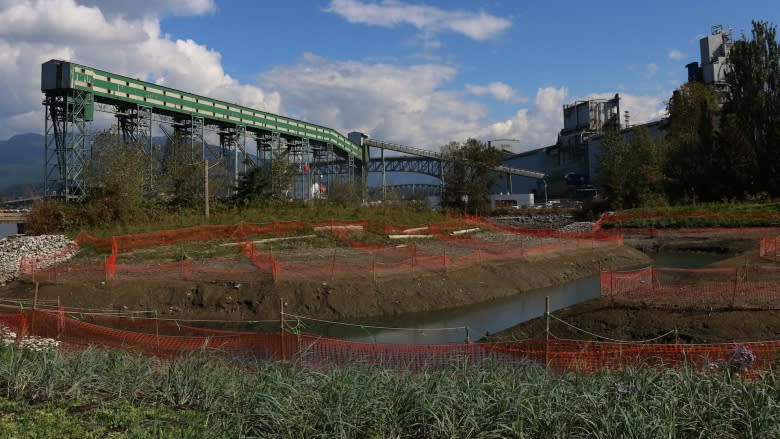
<point x="35" y="31"/>
<point x="417" y="104"/>
<point x="651" y="70"/>
<point x="535" y="127"/>
<point x="402" y="104"/>
<point x="428" y="19"/>
<point x="142" y="8"/>
<point x="676" y="55"/>
<point x="498" y="90"/>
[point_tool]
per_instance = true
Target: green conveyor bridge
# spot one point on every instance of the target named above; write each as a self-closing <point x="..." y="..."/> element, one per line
<point x="74" y="92"/>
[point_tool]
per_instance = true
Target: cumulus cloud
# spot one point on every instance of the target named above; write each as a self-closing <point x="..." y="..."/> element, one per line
<point x="141" y="8"/>
<point x="651" y="70"/>
<point x="404" y="104"/>
<point x="418" y="104"/>
<point x="498" y="90"/>
<point x="35" y="31"/>
<point x="428" y="19"/>
<point x="676" y="55"/>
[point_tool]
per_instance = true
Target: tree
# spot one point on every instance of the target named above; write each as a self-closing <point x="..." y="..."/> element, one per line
<point x="265" y="183"/>
<point x="181" y="174"/>
<point x="690" y="142"/>
<point x="630" y="170"/>
<point x="114" y="178"/>
<point x="468" y="174"/>
<point x="751" y="114"/>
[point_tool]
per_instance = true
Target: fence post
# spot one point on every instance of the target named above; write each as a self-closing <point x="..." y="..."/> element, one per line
<point x="547" y="332"/>
<point x="34" y="310"/>
<point x="333" y="264"/>
<point x="282" y="347"/>
<point x="653" y="276"/>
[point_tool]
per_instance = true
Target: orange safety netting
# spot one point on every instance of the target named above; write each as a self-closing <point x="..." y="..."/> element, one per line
<point x="452" y="245"/>
<point x="749" y="286"/>
<point x="166" y="339"/>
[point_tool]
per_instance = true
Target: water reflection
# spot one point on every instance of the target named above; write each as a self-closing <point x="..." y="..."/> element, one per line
<point x="488" y="317"/>
<point x="7" y="230"/>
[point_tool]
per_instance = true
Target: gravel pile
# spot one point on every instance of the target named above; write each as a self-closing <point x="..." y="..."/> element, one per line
<point x="42" y="247"/>
<point x="537" y="221"/>
<point x="577" y="227"/>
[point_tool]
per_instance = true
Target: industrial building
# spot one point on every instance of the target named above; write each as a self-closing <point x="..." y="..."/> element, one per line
<point x="570" y="165"/>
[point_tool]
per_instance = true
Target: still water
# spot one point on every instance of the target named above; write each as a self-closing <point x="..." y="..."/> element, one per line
<point x="450" y="326"/>
<point x="7" y="229"/>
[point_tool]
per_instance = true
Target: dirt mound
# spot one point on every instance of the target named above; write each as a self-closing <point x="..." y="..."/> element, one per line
<point x="337" y="298"/>
<point x="603" y="319"/>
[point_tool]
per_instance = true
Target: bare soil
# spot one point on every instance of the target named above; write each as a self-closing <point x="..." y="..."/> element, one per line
<point x="344" y="297"/>
<point x="337" y="297"/>
<point x="626" y="320"/>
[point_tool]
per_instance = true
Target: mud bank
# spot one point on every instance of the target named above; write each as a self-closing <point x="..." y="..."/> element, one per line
<point x="336" y="298"/>
<point x="629" y="322"/>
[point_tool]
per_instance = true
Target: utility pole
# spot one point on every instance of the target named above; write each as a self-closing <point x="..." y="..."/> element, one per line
<point x="206" y="187"/>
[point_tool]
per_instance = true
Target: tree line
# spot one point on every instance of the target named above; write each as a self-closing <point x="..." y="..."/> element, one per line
<point x="717" y="143"/>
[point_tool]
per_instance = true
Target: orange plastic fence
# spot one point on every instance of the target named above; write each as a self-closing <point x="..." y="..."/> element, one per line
<point x="749" y="286"/>
<point x="167" y="339"/>
<point x="768" y="247"/>
<point x="448" y="250"/>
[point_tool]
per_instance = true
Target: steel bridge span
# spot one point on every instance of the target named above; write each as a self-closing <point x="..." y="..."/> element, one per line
<point x="247" y="136"/>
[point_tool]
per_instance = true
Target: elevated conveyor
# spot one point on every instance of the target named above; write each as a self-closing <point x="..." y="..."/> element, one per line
<point x="438" y="156"/>
<point x="74" y="91"/>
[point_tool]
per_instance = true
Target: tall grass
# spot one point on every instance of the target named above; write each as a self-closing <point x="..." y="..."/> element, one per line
<point x="207" y="396"/>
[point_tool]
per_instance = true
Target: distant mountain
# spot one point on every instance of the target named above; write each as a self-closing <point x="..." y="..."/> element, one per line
<point x="21" y="164"/>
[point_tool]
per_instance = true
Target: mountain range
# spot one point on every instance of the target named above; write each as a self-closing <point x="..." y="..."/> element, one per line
<point x="21" y="165"/>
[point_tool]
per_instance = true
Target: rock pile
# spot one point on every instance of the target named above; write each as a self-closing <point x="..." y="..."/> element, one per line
<point x="14" y="248"/>
<point x="577" y="227"/>
<point x="550" y="221"/>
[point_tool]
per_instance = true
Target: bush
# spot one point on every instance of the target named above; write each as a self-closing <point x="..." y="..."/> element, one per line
<point x="44" y="218"/>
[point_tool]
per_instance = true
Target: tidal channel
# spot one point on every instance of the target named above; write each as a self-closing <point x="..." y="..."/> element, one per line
<point x="486" y="318"/>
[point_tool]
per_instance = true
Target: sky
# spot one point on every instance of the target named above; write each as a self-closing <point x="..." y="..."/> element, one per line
<point x="420" y="73"/>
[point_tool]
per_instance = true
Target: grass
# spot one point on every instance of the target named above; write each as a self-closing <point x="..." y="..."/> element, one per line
<point x="723" y="214"/>
<point x="108" y="393"/>
<point x="285" y="213"/>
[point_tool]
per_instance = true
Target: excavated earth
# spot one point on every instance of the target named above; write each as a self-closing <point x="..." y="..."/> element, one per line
<point x="345" y="297"/>
<point x="336" y="297"/>
<point x="629" y="321"/>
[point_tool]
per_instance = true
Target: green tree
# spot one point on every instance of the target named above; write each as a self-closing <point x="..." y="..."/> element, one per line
<point x="690" y="142"/>
<point x="751" y="114"/>
<point x="468" y="175"/>
<point x="181" y="174"/>
<point x="266" y="183"/>
<point x="630" y="169"/>
<point x="114" y="179"/>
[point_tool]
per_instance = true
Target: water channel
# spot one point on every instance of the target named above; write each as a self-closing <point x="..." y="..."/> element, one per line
<point x="7" y="229"/>
<point x="450" y="326"/>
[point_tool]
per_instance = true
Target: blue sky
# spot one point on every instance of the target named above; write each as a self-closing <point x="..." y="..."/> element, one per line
<point x="416" y="72"/>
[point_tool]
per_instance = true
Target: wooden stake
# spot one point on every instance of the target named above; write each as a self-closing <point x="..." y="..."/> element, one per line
<point x="547" y="331"/>
<point x="34" y="308"/>
<point x="281" y="329"/>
